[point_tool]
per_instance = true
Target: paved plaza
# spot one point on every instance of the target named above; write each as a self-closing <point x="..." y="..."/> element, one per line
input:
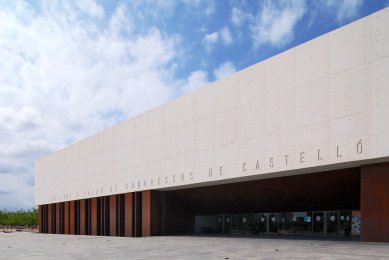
<point x="47" y="246"/>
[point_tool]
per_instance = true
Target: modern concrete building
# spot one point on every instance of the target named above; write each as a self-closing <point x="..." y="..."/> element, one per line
<point x="296" y="144"/>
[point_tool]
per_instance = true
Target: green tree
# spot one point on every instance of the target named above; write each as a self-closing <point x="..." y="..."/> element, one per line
<point x="19" y="218"/>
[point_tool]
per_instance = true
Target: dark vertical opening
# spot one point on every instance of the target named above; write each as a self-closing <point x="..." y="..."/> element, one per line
<point x="61" y="218"/>
<point x="163" y="213"/>
<point x="59" y="205"/>
<point x="99" y="217"/>
<point x="68" y="216"/>
<point x="106" y="216"/>
<point x="102" y="202"/>
<point x="122" y="215"/>
<point x="54" y="218"/>
<point x="79" y="217"/>
<point x="43" y="219"/>
<point x="46" y="218"/>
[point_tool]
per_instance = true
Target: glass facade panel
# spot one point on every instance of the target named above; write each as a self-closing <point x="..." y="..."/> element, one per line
<point x="284" y="223"/>
<point x="300" y="223"/>
<point x="332" y="222"/>
<point x="236" y="224"/>
<point x="273" y="223"/>
<point x="318" y="222"/>
<point x="262" y="223"/>
<point x="227" y="224"/>
<point x="209" y="224"/>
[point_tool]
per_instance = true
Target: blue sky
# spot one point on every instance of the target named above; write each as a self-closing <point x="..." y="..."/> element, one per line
<point x="69" y="69"/>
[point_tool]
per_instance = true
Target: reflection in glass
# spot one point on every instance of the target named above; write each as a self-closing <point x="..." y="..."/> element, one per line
<point x="300" y="223"/>
<point x="262" y="223"/>
<point x="227" y="224"/>
<point x="332" y="222"/>
<point x="318" y="222"/>
<point x="209" y="224"/>
<point x="284" y="223"/>
<point x="273" y="223"/>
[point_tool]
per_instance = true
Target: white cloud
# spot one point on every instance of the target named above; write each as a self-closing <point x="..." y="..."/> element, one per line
<point x="151" y="9"/>
<point x="90" y="7"/>
<point x="345" y="9"/>
<point x="195" y="80"/>
<point x="210" y="8"/>
<point x="63" y="78"/>
<point x="237" y="16"/>
<point x="211" y="37"/>
<point x="223" y="35"/>
<point x="275" y="22"/>
<point x="119" y="22"/>
<point x="226" y="36"/>
<point x="202" y="7"/>
<point x="224" y="70"/>
<point x="15" y="190"/>
<point x="209" y="40"/>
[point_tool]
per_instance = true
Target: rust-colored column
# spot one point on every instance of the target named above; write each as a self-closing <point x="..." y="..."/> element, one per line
<point x="40" y="219"/>
<point x="44" y="219"/>
<point x="151" y="213"/>
<point x="57" y="218"/>
<point x="94" y="216"/>
<point x="375" y="202"/>
<point x="146" y="224"/>
<point x="128" y="211"/>
<point x="71" y="217"/>
<point x="82" y="217"/>
<point x="66" y="217"/>
<point x="50" y="219"/>
<point x="112" y="215"/>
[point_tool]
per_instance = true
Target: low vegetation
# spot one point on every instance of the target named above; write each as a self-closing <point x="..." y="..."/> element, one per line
<point x="20" y="219"/>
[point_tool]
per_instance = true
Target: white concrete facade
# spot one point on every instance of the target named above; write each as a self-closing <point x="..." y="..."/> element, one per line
<point x="321" y="105"/>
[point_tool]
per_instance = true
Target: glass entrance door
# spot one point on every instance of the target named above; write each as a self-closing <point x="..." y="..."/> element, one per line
<point x="332" y="223"/>
<point x="283" y="221"/>
<point x="227" y="224"/>
<point x="300" y="223"/>
<point x="318" y="223"/>
<point x="219" y="224"/>
<point x="262" y="223"/>
<point x="273" y="223"/>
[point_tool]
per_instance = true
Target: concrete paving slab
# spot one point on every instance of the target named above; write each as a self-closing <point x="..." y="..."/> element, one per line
<point x="26" y="245"/>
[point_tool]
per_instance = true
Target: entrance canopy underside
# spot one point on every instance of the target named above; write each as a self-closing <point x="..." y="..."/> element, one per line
<point x="319" y="191"/>
<point x="325" y="191"/>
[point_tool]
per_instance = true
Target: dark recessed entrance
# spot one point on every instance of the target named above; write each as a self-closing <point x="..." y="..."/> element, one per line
<point x="272" y="204"/>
